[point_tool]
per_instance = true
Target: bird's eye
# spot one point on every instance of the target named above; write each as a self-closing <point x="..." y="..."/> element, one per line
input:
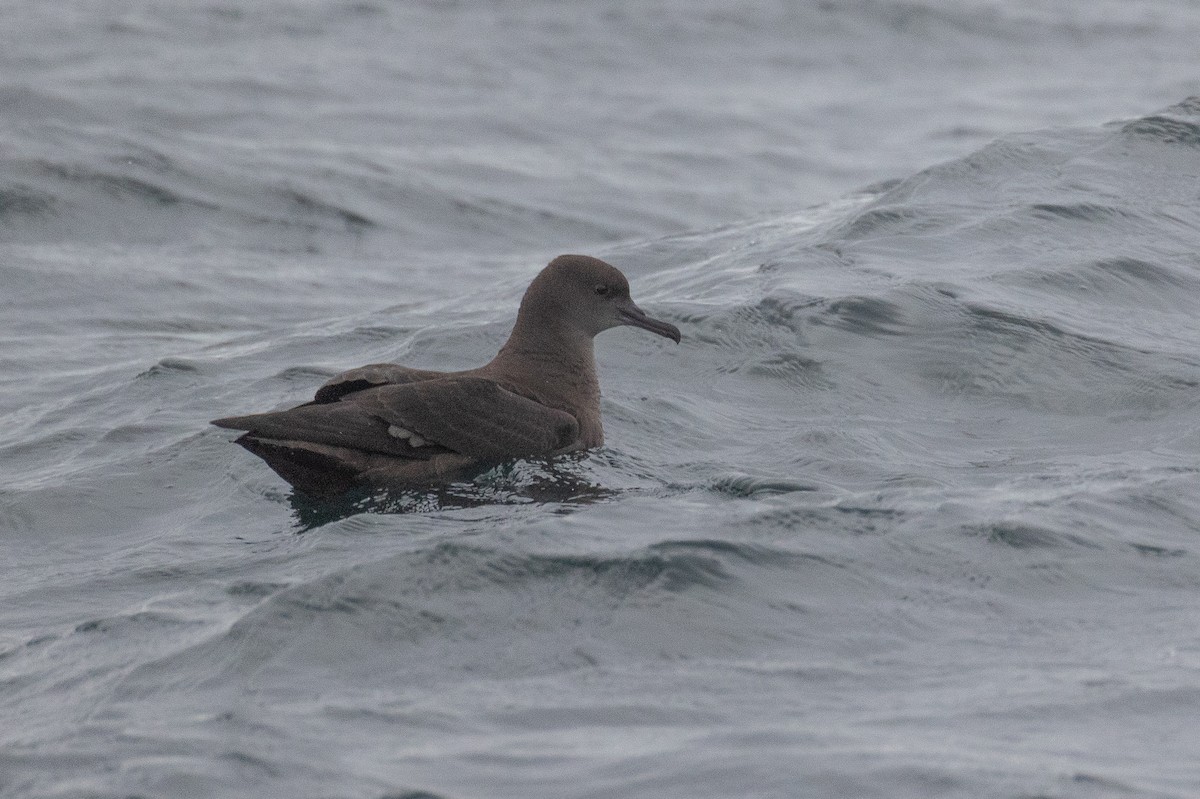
<point x="602" y="290"/>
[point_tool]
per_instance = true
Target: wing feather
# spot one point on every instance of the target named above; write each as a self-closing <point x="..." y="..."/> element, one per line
<point x="471" y="416"/>
<point x="474" y="416"/>
<point x="369" y="376"/>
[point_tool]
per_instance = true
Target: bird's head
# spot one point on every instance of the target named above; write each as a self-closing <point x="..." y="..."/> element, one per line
<point x="587" y="295"/>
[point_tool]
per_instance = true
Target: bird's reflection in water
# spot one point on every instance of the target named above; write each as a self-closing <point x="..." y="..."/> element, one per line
<point x="561" y="480"/>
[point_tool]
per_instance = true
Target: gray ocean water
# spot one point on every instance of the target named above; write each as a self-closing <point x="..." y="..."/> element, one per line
<point x="913" y="511"/>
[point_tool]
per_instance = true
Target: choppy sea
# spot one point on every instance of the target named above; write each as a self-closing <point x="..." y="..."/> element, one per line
<point x="913" y="511"/>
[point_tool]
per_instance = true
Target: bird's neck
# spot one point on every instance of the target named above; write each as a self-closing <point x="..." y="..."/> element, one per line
<point x="555" y="366"/>
<point x="551" y="359"/>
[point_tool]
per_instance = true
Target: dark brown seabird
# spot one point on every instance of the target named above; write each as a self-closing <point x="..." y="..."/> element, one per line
<point x="389" y="425"/>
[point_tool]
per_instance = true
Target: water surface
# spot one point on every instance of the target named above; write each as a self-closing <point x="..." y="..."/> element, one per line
<point x="912" y="511"/>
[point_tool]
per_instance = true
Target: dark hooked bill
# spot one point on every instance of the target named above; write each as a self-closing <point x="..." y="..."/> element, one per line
<point x="635" y="316"/>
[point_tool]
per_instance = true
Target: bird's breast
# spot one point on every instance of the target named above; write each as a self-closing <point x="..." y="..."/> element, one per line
<point x="591" y="430"/>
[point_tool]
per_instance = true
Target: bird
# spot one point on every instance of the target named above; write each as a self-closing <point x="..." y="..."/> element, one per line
<point x="392" y="426"/>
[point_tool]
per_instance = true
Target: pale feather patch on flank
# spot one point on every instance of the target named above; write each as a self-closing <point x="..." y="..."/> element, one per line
<point x="400" y="433"/>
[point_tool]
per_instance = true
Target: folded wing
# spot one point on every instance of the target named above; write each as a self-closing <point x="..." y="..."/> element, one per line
<point x="471" y="416"/>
